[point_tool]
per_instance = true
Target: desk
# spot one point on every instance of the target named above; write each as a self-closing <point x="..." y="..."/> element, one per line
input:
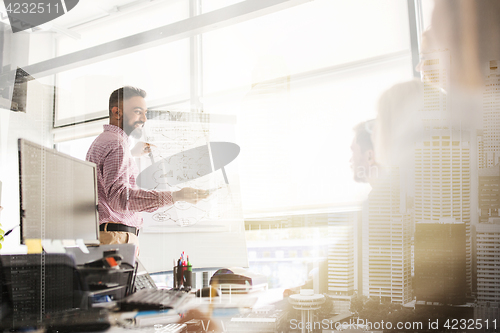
<point x="225" y="312"/>
<point x="58" y="291"/>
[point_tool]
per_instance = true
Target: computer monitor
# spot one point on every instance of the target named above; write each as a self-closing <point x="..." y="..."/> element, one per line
<point x="58" y="195"/>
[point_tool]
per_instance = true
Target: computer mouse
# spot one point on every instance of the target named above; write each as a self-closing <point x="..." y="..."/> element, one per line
<point x="207" y="292"/>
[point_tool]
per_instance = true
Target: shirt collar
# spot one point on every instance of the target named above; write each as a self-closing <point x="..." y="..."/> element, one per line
<point x="115" y="129"/>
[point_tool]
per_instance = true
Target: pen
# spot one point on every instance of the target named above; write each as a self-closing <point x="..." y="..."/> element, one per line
<point x="188" y="276"/>
<point x="9" y="231"/>
<point x="184" y="274"/>
<point x="179" y="273"/>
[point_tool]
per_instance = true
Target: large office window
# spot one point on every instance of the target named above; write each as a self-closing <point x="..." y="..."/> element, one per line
<point x="82" y="93"/>
<point x="108" y="21"/>
<point x="298" y="80"/>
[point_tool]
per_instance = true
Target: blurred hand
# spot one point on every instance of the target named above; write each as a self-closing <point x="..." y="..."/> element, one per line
<point x="141" y="148"/>
<point x="190" y="195"/>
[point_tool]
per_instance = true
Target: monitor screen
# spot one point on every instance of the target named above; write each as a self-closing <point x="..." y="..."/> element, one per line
<point x="58" y="195"/>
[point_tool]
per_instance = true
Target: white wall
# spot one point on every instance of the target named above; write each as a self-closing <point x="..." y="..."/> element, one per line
<point x="35" y="124"/>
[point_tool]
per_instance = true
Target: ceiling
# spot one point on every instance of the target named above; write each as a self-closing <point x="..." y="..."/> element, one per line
<point x="91" y="10"/>
<point x="88" y="11"/>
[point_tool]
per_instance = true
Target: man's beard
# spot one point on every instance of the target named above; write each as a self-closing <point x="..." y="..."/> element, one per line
<point x="132" y="131"/>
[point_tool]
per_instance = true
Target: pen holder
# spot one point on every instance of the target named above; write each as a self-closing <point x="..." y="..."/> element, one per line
<point x="183" y="277"/>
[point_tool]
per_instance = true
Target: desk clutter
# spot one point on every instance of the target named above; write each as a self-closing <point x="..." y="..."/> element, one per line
<point x="153" y="299"/>
<point x="42" y="290"/>
<point x="183" y="273"/>
<point x="75" y="291"/>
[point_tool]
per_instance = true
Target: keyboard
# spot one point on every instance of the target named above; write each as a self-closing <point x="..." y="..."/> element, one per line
<point x="153" y="299"/>
<point x="144" y="281"/>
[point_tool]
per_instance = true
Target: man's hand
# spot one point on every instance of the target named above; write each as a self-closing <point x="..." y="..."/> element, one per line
<point x="141" y="148"/>
<point x="190" y="195"/>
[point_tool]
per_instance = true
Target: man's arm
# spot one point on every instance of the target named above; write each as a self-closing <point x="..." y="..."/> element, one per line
<point x="122" y="196"/>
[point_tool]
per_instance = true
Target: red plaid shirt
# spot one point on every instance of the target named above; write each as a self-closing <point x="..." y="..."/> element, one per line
<point x="120" y="199"/>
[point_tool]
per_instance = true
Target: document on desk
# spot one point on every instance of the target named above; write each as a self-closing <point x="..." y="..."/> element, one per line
<point x="151" y="318"/>
<point x="149" y="321"/>
<point x="158" y="328"/>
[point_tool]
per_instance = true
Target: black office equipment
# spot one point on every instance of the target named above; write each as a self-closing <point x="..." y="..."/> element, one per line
<point x="42" y="290"/>
<point x="78" y="320"/>
<point x="108" y="276"/>
<point x="127" y="251"/>
<point x="115" y="283"/>
<point x="68" y="187"/>
<point x="100" y="273"/>
<point x="34" y="281"/>
<point x="107" y="261"/>
<point x="153" y="299"/>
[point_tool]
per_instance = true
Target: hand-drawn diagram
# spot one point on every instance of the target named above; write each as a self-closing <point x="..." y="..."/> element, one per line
<point x="188" y="152"/>
<point x="189" y="165"/>
<point x="182" y="217"/>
